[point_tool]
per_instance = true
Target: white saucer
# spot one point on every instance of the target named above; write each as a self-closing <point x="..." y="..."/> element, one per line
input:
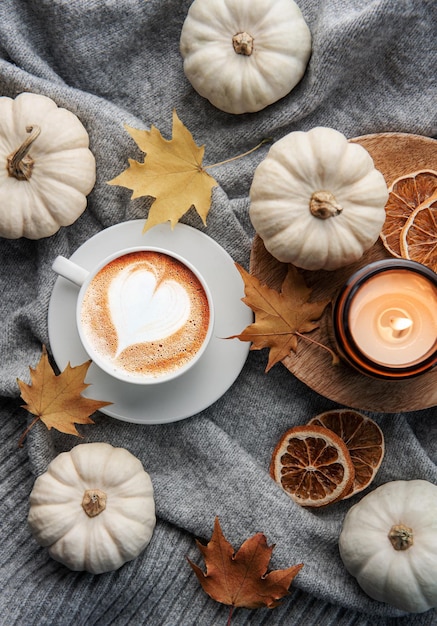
<point x="222" y="361"/>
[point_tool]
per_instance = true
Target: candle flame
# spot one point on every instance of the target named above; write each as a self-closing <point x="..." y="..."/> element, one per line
<point x="400" y="323"/>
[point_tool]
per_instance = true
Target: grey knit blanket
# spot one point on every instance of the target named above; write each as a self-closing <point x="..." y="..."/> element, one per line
<point x="116" y="62"/>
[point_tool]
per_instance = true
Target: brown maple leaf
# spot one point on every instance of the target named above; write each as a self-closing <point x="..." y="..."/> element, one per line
<point x="172" y="173"/>
<point x="241" y="579"/>
<point x="280" y="317"/>
<point x="56" y="400"/>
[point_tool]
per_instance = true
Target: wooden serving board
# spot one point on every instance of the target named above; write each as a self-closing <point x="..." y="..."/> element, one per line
<point x="395" y="155"/>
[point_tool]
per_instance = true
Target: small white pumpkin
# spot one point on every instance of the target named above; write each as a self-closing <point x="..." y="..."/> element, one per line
<point x="389" y="543"/>
<point x="317" y="200"/>
<point x="93" y="508"/>
<point x="47" y="170"/>
<point x="243" y="55"/>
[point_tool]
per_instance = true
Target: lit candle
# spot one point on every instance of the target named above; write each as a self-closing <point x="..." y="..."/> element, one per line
<point x="385" y="319"/>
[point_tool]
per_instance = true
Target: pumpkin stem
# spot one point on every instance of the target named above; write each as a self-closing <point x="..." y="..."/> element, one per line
<point x="20" y="164"/>
<point x="323" y="205"/>
<point x="243" y="43"/>
<point x="94" y="502"/>
<point x="401" y="537"/>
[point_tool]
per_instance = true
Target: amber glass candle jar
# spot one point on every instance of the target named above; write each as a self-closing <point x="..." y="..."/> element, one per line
<point x="385" y="319"/>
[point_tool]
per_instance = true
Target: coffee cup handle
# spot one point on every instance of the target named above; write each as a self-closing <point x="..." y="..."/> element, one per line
<point x="69" y="270"/>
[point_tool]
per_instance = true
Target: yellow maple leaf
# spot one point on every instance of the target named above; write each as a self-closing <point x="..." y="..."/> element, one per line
<point x="280" y="317"/>
<point x="172" y="173"/>
<point x="56" y="400"/>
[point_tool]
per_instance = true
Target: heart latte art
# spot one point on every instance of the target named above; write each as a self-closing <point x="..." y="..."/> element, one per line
<point x="146" y="314"/>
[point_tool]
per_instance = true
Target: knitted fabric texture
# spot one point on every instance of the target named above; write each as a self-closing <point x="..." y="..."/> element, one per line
<point x="117" y="62"/>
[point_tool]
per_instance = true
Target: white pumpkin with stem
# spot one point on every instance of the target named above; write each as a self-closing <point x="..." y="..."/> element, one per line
<point x="48" y="168"/>
<point x="388" y="543"/>
<point x="243" y="55"/>
<point x="317" y="201"/>
<point x="93" y="508"/>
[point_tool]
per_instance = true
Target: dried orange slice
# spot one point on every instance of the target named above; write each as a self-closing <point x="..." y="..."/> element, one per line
<point x="407" y="196"/>
<point x="418" y="239"/>
<point x="363" y="438"/>
<point x="313" y="466"/>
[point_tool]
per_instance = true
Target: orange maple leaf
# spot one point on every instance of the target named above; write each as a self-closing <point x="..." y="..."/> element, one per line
<point x="241" y="579"/>
<point x="56" y="400"/>
<point x="280" y="317"/>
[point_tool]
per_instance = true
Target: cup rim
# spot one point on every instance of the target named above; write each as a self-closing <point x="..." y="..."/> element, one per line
<point x="102" y="363"/>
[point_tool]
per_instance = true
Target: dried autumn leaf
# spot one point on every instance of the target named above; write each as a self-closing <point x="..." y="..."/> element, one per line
<point x="240" y="579"/>
<point x="280" y="317"/>
<point x="172" y="173"/>
<point x="56" y="400"/>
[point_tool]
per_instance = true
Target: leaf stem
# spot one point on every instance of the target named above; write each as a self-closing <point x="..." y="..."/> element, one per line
<point x="239" y="156"/>
<point x="231" y="610"/>
<point x="26" y="432"/>
<point x="334" y="355"/>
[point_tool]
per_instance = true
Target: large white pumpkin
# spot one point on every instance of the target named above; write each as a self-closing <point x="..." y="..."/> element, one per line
<point x="317" y="200"/>
<point x="93" y="508"/>
<point x="48" y="168"/>
<point x="389" y="543"/>
<point x="243" y="55"/>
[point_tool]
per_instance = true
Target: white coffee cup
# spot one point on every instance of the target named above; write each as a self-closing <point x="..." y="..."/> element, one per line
<point x="144" y="315"/>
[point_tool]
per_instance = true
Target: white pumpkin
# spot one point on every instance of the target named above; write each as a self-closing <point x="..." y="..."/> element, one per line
<point x="388" y="542"/>
<point x="243" y="55"/>
<point x="317" y="201"/>
<point x="93" y="508"/>
<point x="48" y="169"/>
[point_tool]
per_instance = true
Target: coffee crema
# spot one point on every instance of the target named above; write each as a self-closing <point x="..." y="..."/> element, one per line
<point x="145" y="314"/>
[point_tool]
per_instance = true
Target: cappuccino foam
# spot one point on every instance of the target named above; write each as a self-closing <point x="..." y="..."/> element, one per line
<point x="145" y="314"/>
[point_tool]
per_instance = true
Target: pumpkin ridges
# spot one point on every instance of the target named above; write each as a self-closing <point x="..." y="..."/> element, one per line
<point x="301" y="161"/>
<point x="100" y="542"/>
<point x="61" y="133"/>
<point x="206" y="38"/>
<point x="406" y="579"/>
